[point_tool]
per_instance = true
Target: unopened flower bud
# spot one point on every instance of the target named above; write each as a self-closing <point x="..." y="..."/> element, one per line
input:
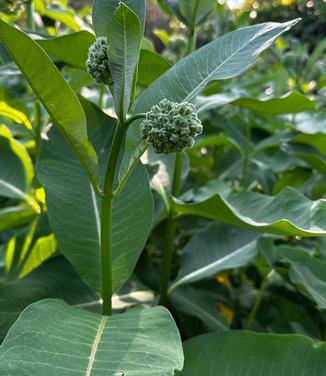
<point x="171" y="127"/>
<point x="98" y="62"/>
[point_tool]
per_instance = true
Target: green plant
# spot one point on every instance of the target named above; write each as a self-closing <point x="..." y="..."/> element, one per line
<point x="100" y="200"/>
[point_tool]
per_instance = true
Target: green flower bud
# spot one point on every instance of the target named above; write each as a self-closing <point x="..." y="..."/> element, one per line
<point x="98" y="62"/>
<point x="316" y="73"/>
<point x="171" y="127"/>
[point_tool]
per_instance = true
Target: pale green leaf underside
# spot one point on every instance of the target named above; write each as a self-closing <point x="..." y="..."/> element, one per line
<point x="288" y="213"/>
<point x="241" y="353"/>
<point x="52" y="338"/>
<point x="74" y="210"/>
<point x="218" y="248"/>
<point x="226" y="57"/>
<point x="56" y="95"/>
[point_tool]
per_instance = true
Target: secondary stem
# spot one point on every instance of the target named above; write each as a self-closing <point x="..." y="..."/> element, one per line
<point x="259" y="299"/>
<point x="29" y="14"/>
<point x="106" y="220"/>
<point x="170" y="232"/>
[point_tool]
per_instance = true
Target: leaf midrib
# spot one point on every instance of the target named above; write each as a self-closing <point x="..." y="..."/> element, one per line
<point x="96" y="342"/>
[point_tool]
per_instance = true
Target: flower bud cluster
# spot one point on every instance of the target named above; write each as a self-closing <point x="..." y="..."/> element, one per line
<point x="171" y="127"/>
<point x="98" y="62"/>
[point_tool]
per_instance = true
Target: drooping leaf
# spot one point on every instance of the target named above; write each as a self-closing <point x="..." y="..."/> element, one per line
<point x="76" y="342"/>
<point x="74" y="210"/>
<point x="54" y="279"/>
<point x="47" y="82"/>
<point x="291" y="103"/>
<point x="305" y="270"/>
<point x="124" y="42"/>
<point x="103" y="11"/>
<point x="72" y="49"/>
<point x="219" y="247"/>
<point x="226" y="57"/>
<point x="288" y="213"/>
<point x="241" y="353"/>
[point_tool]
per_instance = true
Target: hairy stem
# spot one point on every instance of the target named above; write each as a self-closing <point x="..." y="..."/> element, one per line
<point x="37" y="127"/>
<point x="170" y="232"/>
<point x="106" y="220"/>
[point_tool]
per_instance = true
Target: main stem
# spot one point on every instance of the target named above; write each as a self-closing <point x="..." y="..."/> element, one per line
<point x="170" y="231"/>
<point x="106" y="221"/>
<point x="29" y="14"/>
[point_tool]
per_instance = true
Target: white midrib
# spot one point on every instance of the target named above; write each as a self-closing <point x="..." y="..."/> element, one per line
<point x="95" y="345"/>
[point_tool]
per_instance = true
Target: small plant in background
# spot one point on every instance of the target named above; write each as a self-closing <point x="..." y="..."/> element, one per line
<point x="149" y="211"/>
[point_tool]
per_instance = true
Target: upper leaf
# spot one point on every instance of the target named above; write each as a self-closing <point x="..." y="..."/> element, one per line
<point x="103" y="11"/>
<point x="226" y="57"/>
<point x="194" y="11"/>
<point x="124" y="42"/>
<point x="51" y="338"/>
<point x="56" y="95"/>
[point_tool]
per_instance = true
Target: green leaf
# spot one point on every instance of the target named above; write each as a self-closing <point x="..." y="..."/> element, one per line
<point x="72" y="49"/>
<point x="15" y="216"/>
<point x="219" y="247"/>
<point x="241" y="353"/>
<point x="200" y="304"/>
<point x="74" y="210"/>
<point x="54" y="279"/>
<point x="52" y="338"/>
<point x="226" y="57"/>
<point x="57" y="97"/>
<point x="288" y="213"/>
<point x="14" y="114"/>
<point x="305" y="270"/>
<point x="291" y="103"/>
<point x="194" y="11"/>
<point x="16" y="170"/>
<point x="124" y="42"/>
<point x="151" y="66"/>
<point x="103" y="11"/>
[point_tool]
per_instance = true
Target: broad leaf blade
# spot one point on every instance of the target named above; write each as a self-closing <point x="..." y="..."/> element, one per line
<point x="57" y="97"/>
<point x="288" y="213"/>
<point x="194" y="11"/>
<point x="241" y="353"/>
<point x="53" y="338"/>
<point x="124" y="42"/>
<point x="74" y="210"/>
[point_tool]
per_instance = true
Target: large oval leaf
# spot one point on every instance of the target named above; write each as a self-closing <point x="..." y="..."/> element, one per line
<point x="56" y="95"/>
<point x="226" y="57"/>
<point x="241" y="353"/>
<point x="51" y="338"/>
<point x="74" y="210"/>
<point x="288" y="213"/>
<point x="54" y="279"/>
